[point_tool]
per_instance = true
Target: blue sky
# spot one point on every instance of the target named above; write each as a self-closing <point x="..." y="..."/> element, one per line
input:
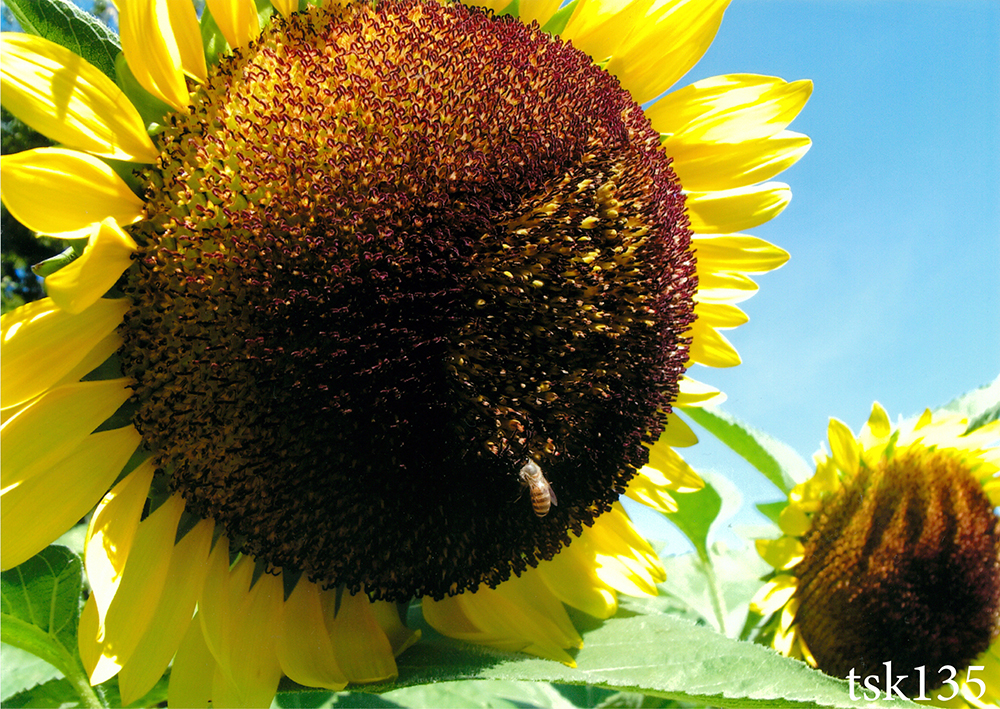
<point x="891" y="293"/>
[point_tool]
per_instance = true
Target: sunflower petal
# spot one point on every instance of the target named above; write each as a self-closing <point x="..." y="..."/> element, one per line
<point x="254" y="661"/>
<point x="69" y="100"/>
<point x="843" y="447"/>
<point x="41" y="508"/>
<point x="171" y="616"/>
<point x="400" y="637"/>
<point x="81" y="283"/>
<point x="151" y="50"/>
<point x="737" y="253"/>
<point x="665" y="46"/>
<point x="719" y="166"/>
<point x="721" y="287"/>
<point x="89" y="190"/>
<point x="191" y="676"/>
<point x="727" y="211"/>
<point x="286" y="8"/>
<point x="305" y="651"/>
<point x="55" y="426"/>
<point x="695" y="393"/>
<point x="361" y="648"/>
<point x="571" y="576"/>
<point x="677" y="433"/>
<point x="601" y="27"/>
<point x="142" y="584"/>
<point x="710" y="347"/>
<point x="677" y="110"/>
<point x="110" y="535"/>
<point x="774" y="594"/>
<point x="237" y="20"/>
<point x="669" y="470"/>
<point x="42" y="344"/>
<point x="783" y="553"/>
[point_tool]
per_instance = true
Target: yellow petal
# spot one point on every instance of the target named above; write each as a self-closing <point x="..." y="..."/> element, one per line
<point x="736" y="253"/>
<point x="81" y="283"/>
<point x="151" y="50"/>
<point x="571" y="576"/>
<point x="843" y="447"/>
<point x="695" y="393"/>
<point x="173" y="613"/>
<point x="87" y="634"/>
<point x="361" y="648"/>
<point x="774" y="594"/>
<point x="677" y="433"/>
<point x="142" y="584"/>
<point x="719" y="166"/>
<point x="676" y="111"/>
<point x="782" y="553"/>
<point x="721" y="287"/>
<point x="42" y="344"/>
<point x="255" y="627"/>
<point x="213" y="608"/>
<point x="710" y="347"/>
<point x="727" y="211"/>
<point x="669" y="470"/>
<point x="540" y="11"/>
<point x="755" y="118"/>
<point x="110" y="536"/>
<point x="723" y="315"/>
<point x="237" y="20"/>
<point x="194" y="669"/>
<point x="41" y="435"/>
<point x="545" y="613"/>
<point x="878" y="425"/>
<point x="40" y="509"/>
<point x="286" y="8"/>
<point x="602" y="27"/>
<point x="70" y="101"/>
<point x="661" y="51"/>
<point x="794" y="521"/>
<point x="304" y="648"/>
<point x="400" y="637"/>
<point x="51" y="190"/>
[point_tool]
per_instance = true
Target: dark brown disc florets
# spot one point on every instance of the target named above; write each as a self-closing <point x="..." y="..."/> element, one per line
<point x="392" y="254"/>
<point x="903" y="565"/>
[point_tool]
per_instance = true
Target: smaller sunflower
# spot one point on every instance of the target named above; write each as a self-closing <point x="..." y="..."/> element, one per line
<point x="891" y="553"/>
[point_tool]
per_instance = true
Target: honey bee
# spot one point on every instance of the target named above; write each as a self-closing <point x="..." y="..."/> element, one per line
<point x="542" y="494"/>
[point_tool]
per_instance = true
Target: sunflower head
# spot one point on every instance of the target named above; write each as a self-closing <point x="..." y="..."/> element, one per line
<point x="891" y="552"/>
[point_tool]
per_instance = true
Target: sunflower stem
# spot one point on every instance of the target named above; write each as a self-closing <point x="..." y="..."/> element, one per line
<point x="88" y="697"/>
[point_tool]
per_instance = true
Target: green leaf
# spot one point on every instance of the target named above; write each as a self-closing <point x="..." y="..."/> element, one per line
<point x="656" y="655"/>
<point x="777" y="461"/>
<point x="40" y="609"/>
<point x="50" y="265"/>
<point x="71" y="27"/>
<point x="696" y="511"/>
<point x="20" y="671"/>
<point x="981" y="406"/>
<point x="557" y="23"/>
<point x="54" y="693"/>
<point x="772" y="510"/>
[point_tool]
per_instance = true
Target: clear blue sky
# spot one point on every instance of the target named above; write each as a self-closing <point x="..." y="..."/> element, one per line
<point x="892" y="290"/>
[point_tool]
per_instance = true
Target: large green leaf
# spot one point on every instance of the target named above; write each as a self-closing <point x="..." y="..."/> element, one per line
<point x="40" y="610"/>
<point x="652" y="654"/>
<point x="777" y="461"/>
<point x="69" y="26"/>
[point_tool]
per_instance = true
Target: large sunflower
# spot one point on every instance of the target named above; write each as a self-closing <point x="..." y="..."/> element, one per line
<point x="387" y="300"/>
<point x="891" y="554"/>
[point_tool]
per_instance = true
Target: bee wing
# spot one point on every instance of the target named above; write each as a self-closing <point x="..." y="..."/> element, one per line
<point x="552" y="494"/>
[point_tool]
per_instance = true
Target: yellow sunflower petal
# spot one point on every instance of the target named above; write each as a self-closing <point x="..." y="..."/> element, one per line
<point x="687" y="106"/>
<point x="87" y="634"/>
<point x="53" y="428"/>
<point x="794" y="521"/>
<point x="255" y="627"/>
<point x="110" y="536"/>
<point x="727" y="211"/>
<point x="546" y="612"/>
<point x="695" y="393"/>
<point x="737" y="253"/>
<point x="877" y="428"/>
<point x="41" y="508"/>
<point x="540" y="11"/>
<point x="601" y="27"/>
<point x="400" y="637"/>
<point x="78" y="285"/>
<point x="758" y="116"/>
<point x="152" y="52"/>
<point x="665" y="46"/>
<point x="625" y="561"/>
<point x="724" y="288"/>
<point x="843" y="447"/>
<point x="362" y="649"/>
<point x="710" y="347"/>
<point x="669" y="470"/>
<point x="304" y="648"/>
<point x="237" y="20"/>
<point x="774" y="594"/>
<point x="141" y="587"/>
<point x="42" y="344"/>
<point x="194" y="668"/>
<point x="286" y="8"/>
<point x="570" y="575"/>
<point x="69" y="100"/>
<point x="720" y="166"/>
<point x="677" y="433"/>
<point x="213" y="608"/>
<point x="88" y="190"/>
<point x="172" y="615"/>
<point x="725" y="315"/>
<point x="642" y="489"/>
<point x="782" y="553"/>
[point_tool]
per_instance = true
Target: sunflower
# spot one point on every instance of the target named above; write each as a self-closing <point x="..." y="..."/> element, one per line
<point x="891" y="554"/>
<point x="378" y="301"/>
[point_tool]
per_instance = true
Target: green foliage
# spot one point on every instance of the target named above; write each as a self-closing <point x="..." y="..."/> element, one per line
<point x="69" y="26"/>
